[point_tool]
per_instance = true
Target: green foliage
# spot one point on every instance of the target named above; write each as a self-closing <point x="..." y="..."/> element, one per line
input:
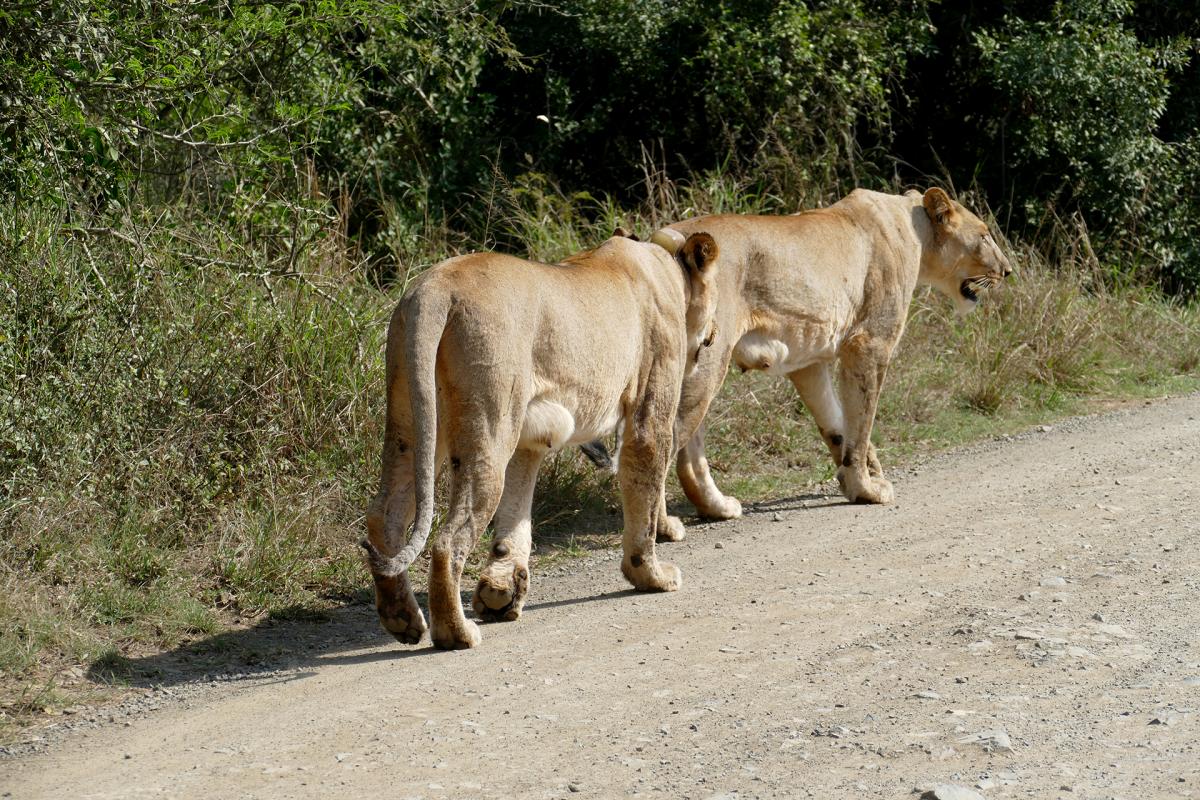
<point x="1087" y="98"/>
<point x="719" y="84"/>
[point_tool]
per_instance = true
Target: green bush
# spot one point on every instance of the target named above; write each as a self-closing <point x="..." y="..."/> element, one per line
<point x="1086" y="98"/>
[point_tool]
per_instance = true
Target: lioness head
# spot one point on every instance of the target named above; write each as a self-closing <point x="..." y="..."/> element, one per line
<point x="963" y="257"/>
<point x="697" y="254"/>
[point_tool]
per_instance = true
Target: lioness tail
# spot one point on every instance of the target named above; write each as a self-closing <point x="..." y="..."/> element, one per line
<point x="427" y="314"/>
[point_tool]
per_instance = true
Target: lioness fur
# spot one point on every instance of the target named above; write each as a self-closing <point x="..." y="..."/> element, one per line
<point x="493" y="362"/>
<point x="799" y="293"/>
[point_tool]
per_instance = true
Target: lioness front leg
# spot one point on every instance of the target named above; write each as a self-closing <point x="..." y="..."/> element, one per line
<point x="696" y="481"/>
<point x="475" y="489"/>
<point x="645" y="454"/>
<point x="814" y="384"/>
<point x="864" y="362"/>
<point x="504" y="581"/>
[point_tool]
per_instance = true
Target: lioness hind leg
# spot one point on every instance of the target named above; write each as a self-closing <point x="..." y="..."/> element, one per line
<point x="504" y="581"/>
<point x="668" y="528"/>
<point x="475" y="488"/>
<point x="389" y="515"/>
<point x="645" y="453"/>
<point x="697" y="483"/>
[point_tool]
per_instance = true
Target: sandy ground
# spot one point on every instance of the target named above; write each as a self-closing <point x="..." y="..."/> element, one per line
<point x="1024" y="622"/>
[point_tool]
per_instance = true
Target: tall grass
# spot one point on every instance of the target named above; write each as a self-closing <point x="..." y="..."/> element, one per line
<point x="190" y="425"/>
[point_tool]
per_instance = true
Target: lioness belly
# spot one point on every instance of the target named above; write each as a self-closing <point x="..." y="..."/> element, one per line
<point x="778" y="355"/>
<point x="551" y="424"/>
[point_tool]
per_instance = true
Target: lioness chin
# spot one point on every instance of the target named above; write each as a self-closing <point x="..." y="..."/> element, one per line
<point x="492" y="363"/>
<point x="798" y="294"/>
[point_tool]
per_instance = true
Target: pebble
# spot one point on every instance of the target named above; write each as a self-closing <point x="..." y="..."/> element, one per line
<point x="835" y="732"/>
<point x="927" y="695"/>
<point x="996" y="739"/>
<point x="1054" y="581"/>
<point x="1168" y="719"/>
<point x="777" y="517"/>
<point x="1113" y="630"/>
<point x="719" y="546"/>
<point x="949" y="791"/>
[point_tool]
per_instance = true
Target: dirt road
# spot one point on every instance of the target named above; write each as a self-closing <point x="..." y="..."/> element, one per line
<point x="1025" y="621"/>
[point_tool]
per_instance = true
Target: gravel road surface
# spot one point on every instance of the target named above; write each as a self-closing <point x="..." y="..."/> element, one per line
<point x="1023" y="622"/>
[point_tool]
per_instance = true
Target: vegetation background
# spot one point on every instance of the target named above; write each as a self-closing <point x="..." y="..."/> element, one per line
<point x="209" y="207"/>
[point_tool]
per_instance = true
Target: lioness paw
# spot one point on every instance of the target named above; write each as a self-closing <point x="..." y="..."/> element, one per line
<point x="460" y="635"/>
<point x="651" y="576"/>
<point x="670" y="529"/>
<point x="725" y="507"/>
<point x="500" y="594"/>
<point x="408" y="629"/>
<point x="871" y="491"/>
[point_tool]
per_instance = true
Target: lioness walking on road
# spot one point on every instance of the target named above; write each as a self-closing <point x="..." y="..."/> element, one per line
<point x="492" y="363"/>
<point x="798" y="294"/>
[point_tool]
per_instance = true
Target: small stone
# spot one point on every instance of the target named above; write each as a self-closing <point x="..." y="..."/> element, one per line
<point x="927" y="695"/>
<point x="1028" y="634"/>
<point x="1044" y="428"/>
<point x="574" y="788"/>
<point x="719" y="546"/>
<point x="949" y="791"/>
<point x="1054" y="581"/>
<point x="996" y="739"/>
<point x="1099" y="617"/>
<point x="1113" y="630"/>
<point x="1168" y="718"/>
<point x="835" y="732"/>
<point x="777" y="517"/>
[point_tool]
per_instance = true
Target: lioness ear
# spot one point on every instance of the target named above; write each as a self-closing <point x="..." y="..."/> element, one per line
<point x="624" y="234"/>
<point x="938" y="207"/>
<point x="699" y="252"/>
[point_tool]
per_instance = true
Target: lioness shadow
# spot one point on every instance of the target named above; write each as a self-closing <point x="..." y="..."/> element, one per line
<point x="798" y="502"/>
<point x="289" y="639"/>
<point x="295" y="638"/>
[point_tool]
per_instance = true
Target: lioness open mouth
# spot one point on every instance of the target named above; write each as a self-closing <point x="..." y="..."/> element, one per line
<point x="968" y="291"/>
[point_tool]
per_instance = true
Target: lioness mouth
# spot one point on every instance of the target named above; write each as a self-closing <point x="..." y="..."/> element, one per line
<point x="968" y="291"/>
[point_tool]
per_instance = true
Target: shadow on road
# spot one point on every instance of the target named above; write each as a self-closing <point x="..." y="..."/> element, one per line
<point x="349" y="633"/>
<point x="346" y="635"/>
<point x="798" y="502"/>
<point x="292" y="638"/>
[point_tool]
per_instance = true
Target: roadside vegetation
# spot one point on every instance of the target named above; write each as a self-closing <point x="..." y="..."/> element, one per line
<point x="210" y="209"/>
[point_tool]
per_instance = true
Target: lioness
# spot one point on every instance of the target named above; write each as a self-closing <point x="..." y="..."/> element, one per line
<point x="797" y="293"/>
<point x="493" y="362"/>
